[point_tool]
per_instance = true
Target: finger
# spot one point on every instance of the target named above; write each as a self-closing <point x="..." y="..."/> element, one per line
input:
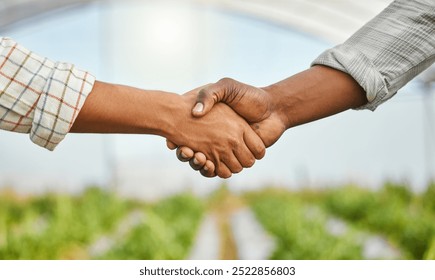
<point x="198" y="161"/>
<point x="210" y="95"/>
<point x="205" y="101"/>
<point x="244" y="156"/>
<point x="232" y="163"/>
<point x="171" y="145"/>
<point x="208" y="170"/>
<point x="223" y="171"/>
<point x="184" y="154"/>
<point x="254" y="143"/>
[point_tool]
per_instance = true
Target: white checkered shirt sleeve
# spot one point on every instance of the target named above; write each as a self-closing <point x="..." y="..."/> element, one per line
<point x="388" y="51"/>
<point x="39" y="96"/>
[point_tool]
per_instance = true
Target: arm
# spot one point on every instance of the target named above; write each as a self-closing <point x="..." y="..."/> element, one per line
<point x="314" y="94"/>
<point x="377" y="60"/>
<point x="49" y="99"/>
<point x="388" y="51"/>
<point x="363" y="72"/>
<point x="222" y="136"/>
<point x="305" y="97"/>
<point x="39" y="96"/>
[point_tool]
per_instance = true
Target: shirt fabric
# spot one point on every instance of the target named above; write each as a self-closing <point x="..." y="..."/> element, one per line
<point x="388" y="51"/>
<point x="39" y="96"/>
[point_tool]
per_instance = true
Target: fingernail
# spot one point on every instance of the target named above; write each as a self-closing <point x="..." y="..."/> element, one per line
<point x="205" y="168"/>
<point x="183" y="155"/>
<point x="198" y="107"/>
<point x="195" y="161"/>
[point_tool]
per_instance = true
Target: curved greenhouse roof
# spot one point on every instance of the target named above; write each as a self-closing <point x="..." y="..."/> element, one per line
<point x="332" y="20"/>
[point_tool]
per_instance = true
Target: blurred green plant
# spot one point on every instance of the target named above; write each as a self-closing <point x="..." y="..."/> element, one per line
<point x="299" y="228"/>
<point x="407" y="220"/>
<point x="65" y="227"/>
<point x="56" y="226"/>
<point x="430" y="253"/>
<point x="167" y="232"/>
<point x="428" y="198"/>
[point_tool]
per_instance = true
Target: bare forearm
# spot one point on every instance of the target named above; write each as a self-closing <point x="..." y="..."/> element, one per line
<point x="314" y="94"/>
<point x="223" y="136"/>
<point x="121" y="109"/>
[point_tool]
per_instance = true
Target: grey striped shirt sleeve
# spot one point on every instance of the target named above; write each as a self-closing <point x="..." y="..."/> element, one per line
<point x="388" y="51"/>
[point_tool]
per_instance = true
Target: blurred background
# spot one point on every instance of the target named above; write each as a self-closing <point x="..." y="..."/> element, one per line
<point x="352" y="186"/>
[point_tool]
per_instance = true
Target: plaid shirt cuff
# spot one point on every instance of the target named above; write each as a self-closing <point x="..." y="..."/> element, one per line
<point x="39" y="96"/>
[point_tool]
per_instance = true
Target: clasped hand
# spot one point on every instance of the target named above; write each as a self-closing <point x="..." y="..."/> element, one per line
<point x="229" y="143"/>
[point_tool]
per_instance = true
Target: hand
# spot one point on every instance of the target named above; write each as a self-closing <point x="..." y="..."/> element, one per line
<point x="255" y="105"/>
<point x="310" y="95"/>
<point x="222" y="136"/>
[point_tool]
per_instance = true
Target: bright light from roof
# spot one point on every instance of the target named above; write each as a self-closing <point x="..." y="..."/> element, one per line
<point x="172" y="28"/>
<point x="164" y="27"/>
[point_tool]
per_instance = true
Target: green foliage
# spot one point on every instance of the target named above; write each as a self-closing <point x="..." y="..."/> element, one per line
<point x="48" y="227"/>
<point x="430" y="253"/>
<point x="299" y="228"/>
<point x="63" y="227"/>
<point x="392" y="211"/>
<point x="399" y="192"/>
<point x="350" y="202"/>
<point x="167" y="231"/>
<point x="428" y="198"/>
<point x="406" y="219"/>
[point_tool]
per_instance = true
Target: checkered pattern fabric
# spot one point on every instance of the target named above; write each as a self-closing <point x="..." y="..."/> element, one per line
<point x="39" y="96"/>
<point x="388" y="51"/>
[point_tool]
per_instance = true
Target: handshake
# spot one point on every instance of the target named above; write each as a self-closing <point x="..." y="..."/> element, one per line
<point x="235" y="133"/>
<point x="233" y="123"/>
<point x="224" y="127"/>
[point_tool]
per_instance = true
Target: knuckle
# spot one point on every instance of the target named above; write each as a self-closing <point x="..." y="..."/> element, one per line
<point x="224" y="174"/>
<point x="207" y="173"/>
<point x="209" y="167"/>
<point x="226" y="81"/>
<point x="194" y="166"/>
<point x="180" y="157"/>
<point x="260" y="151"/>
<point x="171" y="145"/>
<point x="202" y="93"/>
<point x="250" y="162"/>
<point x="234" y="142"/>
<point x="201" y="158"/>
<point x="238" y="169"/>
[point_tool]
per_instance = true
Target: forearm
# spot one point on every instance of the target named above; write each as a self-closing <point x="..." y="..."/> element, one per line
<point x="389" y="50"/>
<point x="39" y="96"/>
<point x="223" y="136"/>
<point x="113" y="108"/>
<point x="314" y="94"/>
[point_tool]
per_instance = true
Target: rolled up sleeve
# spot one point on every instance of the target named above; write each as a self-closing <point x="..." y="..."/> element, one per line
<point x="389" y="51"/>
<point x="39" y="96"/>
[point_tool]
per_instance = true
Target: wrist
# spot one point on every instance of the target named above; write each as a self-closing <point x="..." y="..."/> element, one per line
<point x="160" y="113"/>
<point x="173" y="115"/>
<point x="281" y="103"/>
<point x="314" y="94"/>
<point x="121" y="109"/>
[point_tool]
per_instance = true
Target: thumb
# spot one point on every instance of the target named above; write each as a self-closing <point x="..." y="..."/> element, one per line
<point x="206" y="99"/>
